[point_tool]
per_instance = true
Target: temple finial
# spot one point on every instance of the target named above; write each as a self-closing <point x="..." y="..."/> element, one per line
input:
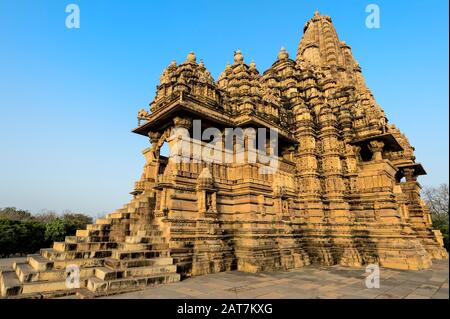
<point x="283" y="54"/>
<point x="191" y="57"/>
<point x="238" y="57"/>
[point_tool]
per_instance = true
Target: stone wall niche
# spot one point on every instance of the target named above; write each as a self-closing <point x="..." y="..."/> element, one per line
<point x="206" y="193"/>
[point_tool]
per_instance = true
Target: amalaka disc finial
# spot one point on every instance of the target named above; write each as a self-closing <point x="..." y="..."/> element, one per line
<point x="283" y="54"/>
<point x="191" y="57"/>
<point x="238" y="57"/>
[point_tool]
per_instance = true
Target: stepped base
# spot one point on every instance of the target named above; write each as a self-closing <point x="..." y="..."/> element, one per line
<point x="98" y="285"/>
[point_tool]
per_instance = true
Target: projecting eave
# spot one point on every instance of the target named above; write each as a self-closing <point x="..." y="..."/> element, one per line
<point x="418" y="168"/>
<point x="390" y="142"/>
<point x="257" y="122"/>
<point x="185" y="106"/>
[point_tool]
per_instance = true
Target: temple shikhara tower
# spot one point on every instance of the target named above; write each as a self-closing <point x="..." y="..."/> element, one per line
<point x="344" y="190"/>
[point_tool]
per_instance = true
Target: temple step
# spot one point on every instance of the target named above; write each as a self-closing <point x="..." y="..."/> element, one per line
<point x="89" y="262"/>
<point x="26" y="273"/>
<point x="102" y="221"/>
<point x="118" y="215"/>
<point x="89" y="233"/>
<point x="105" y="273"/>
<point x="97" y="285"/>
<point x="143" y="246"/>
<point x="86" y="239"/>
<point x="39" y="262"/>
<point x="98" y="227"/>
<point x="63" y="246"/>
<point x="9" y="284"/>
<point x="131" y="263"/>
<point x="143" y="254"/>
<point x="48" y="286"/>
<point x="146" y="233"/>
<point x="67" y="246"/>
<point x="53" y="254"/>
<point x="143" y="239"/>
<point x="143" y="227"/>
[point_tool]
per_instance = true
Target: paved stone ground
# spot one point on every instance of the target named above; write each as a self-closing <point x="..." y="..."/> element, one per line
<point x="335" y="282"/>
<point x="308" y="282"/>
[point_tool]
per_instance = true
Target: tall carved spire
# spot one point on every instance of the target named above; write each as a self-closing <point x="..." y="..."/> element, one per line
<point x="320" y="44"/>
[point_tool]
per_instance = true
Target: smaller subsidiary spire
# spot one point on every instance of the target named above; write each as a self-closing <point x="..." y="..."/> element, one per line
<point x="283" y="54"/>
<point x="172" y="65"/>
<point x="238" y="57"/>
<point x="191" y="57"/>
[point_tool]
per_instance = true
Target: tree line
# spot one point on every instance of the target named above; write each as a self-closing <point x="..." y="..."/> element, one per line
<point x="436" y="199"/>
<point x="22" y="233"/>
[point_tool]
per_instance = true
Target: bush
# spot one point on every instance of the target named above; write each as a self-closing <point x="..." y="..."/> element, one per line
<point x="18" y="237"/>
<point x="12" y="213"/>
<point x="437" y="200"/>
<point x="75" y="221"/>
<point x="35" y="238"/>
<point x="45" y="217"/>
<point x="21" y="233"/>
<point x="55" y="230"/>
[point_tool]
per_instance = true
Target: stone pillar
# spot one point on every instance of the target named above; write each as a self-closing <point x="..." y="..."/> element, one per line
<point x="310" y="205"/>
<point x="331" y="165"/>
<point x="309" y="189"/>
<point x="376" y="147"/>
<point x="152" y="157"/>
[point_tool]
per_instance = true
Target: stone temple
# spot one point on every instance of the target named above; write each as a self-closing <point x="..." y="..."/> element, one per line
<point x="344" y="190"/>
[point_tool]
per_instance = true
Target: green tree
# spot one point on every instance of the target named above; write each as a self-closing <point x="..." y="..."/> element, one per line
<point x="21" y="237"/>
<point x="437" y="201"/>
<point x="55" y="230"/>
<point x="74" y="221"/>
<point x="12" y="213"/>
<point x="45" y="216"/>
<point x="34" y="239"/>
<point x="10" y="234"/>
<point x="22" y="233"/>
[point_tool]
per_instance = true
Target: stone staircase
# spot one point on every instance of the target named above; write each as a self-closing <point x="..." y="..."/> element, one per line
<point x="122" y="252"/>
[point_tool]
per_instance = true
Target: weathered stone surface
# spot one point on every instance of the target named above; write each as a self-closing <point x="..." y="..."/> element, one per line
<point x="309" y="282"/>
<point x="344" y="190"/>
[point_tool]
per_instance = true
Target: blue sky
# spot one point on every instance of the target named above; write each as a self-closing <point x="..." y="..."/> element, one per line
<point x="69" y="98"/>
